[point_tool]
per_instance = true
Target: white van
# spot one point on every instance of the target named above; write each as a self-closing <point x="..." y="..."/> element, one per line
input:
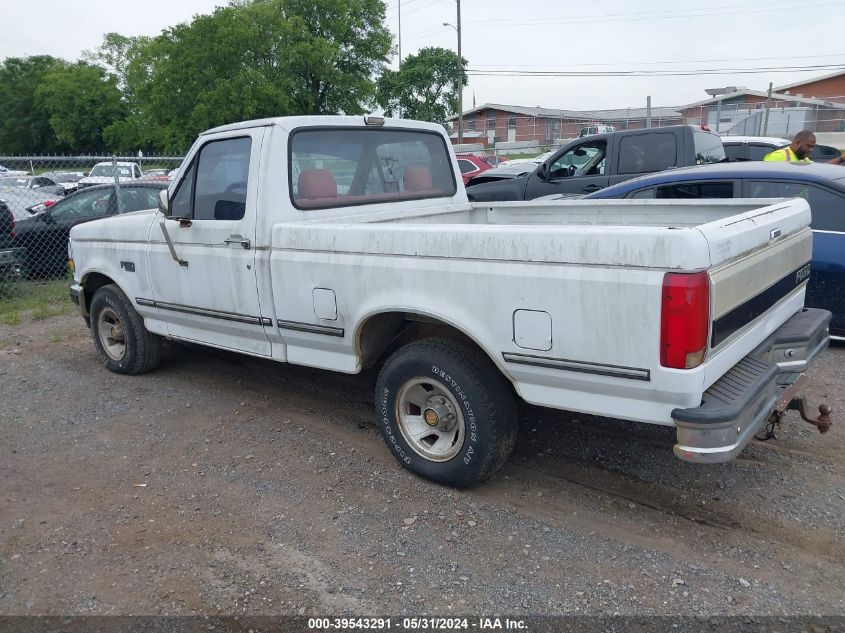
<point x="596" y="129"/>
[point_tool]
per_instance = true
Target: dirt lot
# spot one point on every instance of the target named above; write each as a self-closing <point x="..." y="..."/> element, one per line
<point x="220" y="484"/>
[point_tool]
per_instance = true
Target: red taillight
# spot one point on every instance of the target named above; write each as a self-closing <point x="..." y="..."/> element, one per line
<point x="705" y="128"/>
<point x="49" y="203"/>
<point x="684" y="320"/>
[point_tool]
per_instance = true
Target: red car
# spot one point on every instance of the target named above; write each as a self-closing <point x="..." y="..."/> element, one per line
<point x="471" y="165"/>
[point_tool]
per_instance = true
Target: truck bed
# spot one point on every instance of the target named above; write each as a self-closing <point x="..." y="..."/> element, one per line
<point x="664" y="234"/>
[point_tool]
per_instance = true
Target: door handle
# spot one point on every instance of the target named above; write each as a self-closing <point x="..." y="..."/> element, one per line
<point x="591" y="188"/>
<point x="237" y="239"/>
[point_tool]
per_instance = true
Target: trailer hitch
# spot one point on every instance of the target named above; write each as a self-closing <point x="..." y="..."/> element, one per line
<point x="822" y="423"/>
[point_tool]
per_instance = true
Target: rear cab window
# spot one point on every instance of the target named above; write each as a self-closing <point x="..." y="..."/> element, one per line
<point x="645" y="153"/>
<point x="336" y="167"/>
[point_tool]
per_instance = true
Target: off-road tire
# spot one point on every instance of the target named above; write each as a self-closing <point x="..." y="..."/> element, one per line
<point x="486" y="400"/>
<point x="142" y="348"/>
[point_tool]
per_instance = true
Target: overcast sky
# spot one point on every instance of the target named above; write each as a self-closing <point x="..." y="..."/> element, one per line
<point x="608" y="35"/>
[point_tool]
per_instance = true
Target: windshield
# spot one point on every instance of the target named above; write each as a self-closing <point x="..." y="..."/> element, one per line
<point x="108" y="170"/>
<point x="13" y="182"/>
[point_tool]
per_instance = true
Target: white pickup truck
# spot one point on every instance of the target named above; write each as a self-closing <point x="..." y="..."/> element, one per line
<point x="348" y="242"/>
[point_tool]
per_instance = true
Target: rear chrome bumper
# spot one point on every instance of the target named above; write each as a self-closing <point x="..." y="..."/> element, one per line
<point x="737" y="405"/>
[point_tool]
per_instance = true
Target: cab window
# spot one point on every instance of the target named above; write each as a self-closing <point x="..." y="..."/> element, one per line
<point x="214" y="186"/>
<point x="587" y="159"/>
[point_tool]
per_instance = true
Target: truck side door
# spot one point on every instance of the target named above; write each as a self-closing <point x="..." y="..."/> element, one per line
<point x="204" y="280"/>
<point x="580" y="169"/>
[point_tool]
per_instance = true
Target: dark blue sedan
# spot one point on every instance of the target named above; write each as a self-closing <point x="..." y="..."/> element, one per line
<point x="822" y="185"/>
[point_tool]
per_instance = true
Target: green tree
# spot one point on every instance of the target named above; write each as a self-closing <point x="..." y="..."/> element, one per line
<point x="24" y="127"/>
<point x="80" y="102"/>
<point x="250" y="60"/>
<point x="424" y="87"/>
<point x="114" y="55"/>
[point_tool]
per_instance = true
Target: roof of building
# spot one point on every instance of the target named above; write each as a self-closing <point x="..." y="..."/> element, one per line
<point x="838" y="73"/>
<point x="618" y="114"/>
<point x="745" y="92"/>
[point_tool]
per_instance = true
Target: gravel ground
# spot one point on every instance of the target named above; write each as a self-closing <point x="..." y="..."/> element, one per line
<point x="220" y="484"/>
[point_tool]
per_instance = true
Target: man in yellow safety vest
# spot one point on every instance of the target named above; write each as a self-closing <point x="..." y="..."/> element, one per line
<point x="799" y="150"/>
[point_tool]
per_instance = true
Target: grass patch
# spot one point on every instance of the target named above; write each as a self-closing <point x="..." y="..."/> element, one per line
<point x="10" y="318"/>
<point x="43" y="299"/>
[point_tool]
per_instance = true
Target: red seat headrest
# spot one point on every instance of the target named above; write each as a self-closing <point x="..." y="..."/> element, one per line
<point x="317" y="183"/>
<point x="417" y="178"/>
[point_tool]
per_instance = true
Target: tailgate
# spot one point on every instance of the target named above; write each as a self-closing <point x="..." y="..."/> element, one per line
<point x="759" y="258"/>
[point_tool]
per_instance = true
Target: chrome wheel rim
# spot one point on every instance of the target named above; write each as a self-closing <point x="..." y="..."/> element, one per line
<point x="111" y="333"/>
<point x="430" y="419"/>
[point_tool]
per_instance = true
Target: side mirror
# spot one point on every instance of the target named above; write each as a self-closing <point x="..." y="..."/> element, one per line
<point x="163" y="202"/>
<point x="543" y="171"/>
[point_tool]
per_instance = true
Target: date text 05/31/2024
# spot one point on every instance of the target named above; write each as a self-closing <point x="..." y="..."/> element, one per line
<point x="416" y="624"/>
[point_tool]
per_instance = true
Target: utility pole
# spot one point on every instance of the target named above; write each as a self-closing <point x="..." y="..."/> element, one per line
<point x="460" y="81"/>
<point x="648" y="111"/>
<point x="768" y="106"/>
<point x="460" y="78"/>
<point x="400" y="47"/>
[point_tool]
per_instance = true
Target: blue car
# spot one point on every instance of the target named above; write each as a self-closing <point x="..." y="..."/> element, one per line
<point x="822" y="185"/>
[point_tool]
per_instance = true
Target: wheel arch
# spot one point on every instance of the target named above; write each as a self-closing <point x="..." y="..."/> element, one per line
<point x="381" y="332"/>
<point x="91" y="282"/>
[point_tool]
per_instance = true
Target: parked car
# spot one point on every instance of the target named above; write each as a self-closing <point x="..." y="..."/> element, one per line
<point x="741" y="148"/>
<point x="471" y="165"/>
<point x="511" y="169"/>
<point x="822" y="185"/>
<point x="41" y="183"/>
<point x="67" y="180"/>
<point x="42" y="239"/>
<point x="496" y="159"/>
<point x="5" y="171"/>
<point x="301" y="249"/>
<point x="594" y="162"/>
<point x="24" y="202"/>
<point x="8" y="257"/>
<point x="104" y="173"/>
<point x="157" y="174"/>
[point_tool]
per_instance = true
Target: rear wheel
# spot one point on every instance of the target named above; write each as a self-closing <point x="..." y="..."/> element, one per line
<point x="446" y="412"/>
<point x="123" y="343"/>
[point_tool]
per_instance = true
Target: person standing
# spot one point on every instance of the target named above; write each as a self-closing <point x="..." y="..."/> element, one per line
<point x="799" y="150"/>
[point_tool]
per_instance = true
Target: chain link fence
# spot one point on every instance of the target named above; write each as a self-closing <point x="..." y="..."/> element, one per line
<point x="43" y="197"/>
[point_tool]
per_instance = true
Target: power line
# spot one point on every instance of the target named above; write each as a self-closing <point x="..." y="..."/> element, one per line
<point x="682" y="11"/>
<point x="654" y="63"/>
<point x="420" y="8"/>
<point x="654" y="73"/>
<point x="654" y="15"/>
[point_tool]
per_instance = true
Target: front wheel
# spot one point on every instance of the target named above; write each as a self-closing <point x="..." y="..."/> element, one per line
<point x="446" y="412"/>
<point x="123" y="343"/>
